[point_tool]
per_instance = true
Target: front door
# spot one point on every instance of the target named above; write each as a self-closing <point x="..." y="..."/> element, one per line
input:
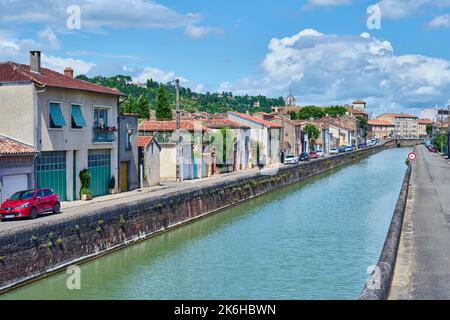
<point x="124" y="176"/>
<point x="99" y="165"/>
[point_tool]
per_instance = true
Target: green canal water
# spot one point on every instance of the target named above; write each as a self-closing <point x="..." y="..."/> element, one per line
<point x="313" y="240"/>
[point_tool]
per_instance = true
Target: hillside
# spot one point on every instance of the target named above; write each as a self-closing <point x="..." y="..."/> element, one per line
<point x="190" y="101"/>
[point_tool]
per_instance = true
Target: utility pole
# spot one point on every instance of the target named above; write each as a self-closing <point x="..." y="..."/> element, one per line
<point x="179" y="155"/>
<point x="448" y="132"/>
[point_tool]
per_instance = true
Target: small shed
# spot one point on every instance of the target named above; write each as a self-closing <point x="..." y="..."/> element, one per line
<point x="150" y="161"/>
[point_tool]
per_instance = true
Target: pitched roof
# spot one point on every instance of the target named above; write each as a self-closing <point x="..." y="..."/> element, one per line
<point x="256" y="120"/>
<point x="359" y="101"/>
<point x="11" y="147"/>
<point x="14" y="72"/>
<point x="425" y="121"/>
<point x="398" y="115"/>
<point x="380" y="123"/>
<point x="217" y="123"/>
<point x="157" y="126"/>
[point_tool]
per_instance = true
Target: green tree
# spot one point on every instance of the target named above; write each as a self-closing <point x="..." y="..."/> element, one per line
<point x="311" y="112"/>
<point x="142" y="108"/>
<point x="430" y="129"/>
<point x="313" y="134"/>
<point x="364" y="125"/>
<point x="441" y="141"/>
<point x="163" y="108"/>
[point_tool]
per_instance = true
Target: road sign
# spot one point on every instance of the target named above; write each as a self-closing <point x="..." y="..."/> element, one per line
<point x="412" y="156"/>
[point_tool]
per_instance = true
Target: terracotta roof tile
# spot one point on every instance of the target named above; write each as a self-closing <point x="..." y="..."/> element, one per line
<point x="217" y="123"/>
<point x="157" y="126"/>
<point x="144" y="141"/>
<point x="256" y="120"/>
<point x="380" y="123"/>
<point x="14" y="72"/>
<point x="10" y="147"/>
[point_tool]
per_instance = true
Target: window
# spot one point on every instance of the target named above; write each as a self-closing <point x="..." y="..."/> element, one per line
<point x="128" y="140"/>
<point x="47" y="193"/>
<point x="56" y="117"/>
<point x="100" y="117"/>
<point x="78" y="121"/>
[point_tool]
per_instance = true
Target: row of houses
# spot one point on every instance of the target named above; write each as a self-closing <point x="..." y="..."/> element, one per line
<point x="398" y="125"/>
<point x="53" y="126"/>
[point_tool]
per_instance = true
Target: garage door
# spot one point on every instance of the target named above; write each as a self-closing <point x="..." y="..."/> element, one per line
<point x="99" y="163"/>
<point x="52" y="172"/>
<point x="13" y="184"/>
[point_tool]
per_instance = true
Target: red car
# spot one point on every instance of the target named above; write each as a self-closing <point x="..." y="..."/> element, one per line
<point x="30" y="204"/>
<point x="313" y="155"/>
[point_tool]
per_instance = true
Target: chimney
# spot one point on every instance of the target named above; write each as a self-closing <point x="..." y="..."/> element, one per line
<point x="35" y="61"/>
<point x="68" y="72"/>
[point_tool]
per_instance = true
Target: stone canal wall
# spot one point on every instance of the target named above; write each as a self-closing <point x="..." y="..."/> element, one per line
<point x="32" y="252"/>
<point x="379" y="284"/>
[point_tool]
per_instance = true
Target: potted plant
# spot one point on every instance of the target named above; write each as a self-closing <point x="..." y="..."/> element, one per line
<point x="85" y="178"/>
<point x="112" y="185"/>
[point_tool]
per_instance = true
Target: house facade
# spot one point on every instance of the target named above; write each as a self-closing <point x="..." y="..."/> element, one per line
<point x="405" y="125"/>
<point x="17" y="167"/>
<point x="150" y="155"/>
<point x="192" y="143"/>
<point x="381" y="129"/>
<point x="422" y="125"/>
<point x="265" y="138"/>
<point x="72" y="123"/>
<point x="128" y="153"/>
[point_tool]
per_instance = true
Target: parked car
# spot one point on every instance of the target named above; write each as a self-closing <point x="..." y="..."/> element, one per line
<point x="343" y="149"/>
<point x="320" y="153"/>
<point x="290" y="159"/>
<point x="313" y="155"/>
<point x="348" y="149"/>
<point x="304" y="157"/>
<point x="30" y="204"/>
<point x="334" y="151"/>
<point x="362" y="146"/>
<point x="434" y="149"/>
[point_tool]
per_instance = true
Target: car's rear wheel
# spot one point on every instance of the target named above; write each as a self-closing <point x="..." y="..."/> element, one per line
<point x="33" y="213"/>
<point x="57" y="208"/>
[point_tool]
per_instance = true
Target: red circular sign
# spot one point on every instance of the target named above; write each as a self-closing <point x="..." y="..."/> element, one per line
<point x="412" y="156"/>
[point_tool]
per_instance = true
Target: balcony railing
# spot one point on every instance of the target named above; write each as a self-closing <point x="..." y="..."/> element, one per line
<point x="100" y="135"/>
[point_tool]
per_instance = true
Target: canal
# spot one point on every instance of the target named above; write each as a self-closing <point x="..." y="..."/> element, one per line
<point x="312" y="240"/>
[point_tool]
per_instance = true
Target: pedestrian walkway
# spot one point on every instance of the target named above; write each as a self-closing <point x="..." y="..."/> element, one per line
<point x="427" y="255"/>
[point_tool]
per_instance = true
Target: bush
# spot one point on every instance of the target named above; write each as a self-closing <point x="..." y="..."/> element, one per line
<point x="85" y="178"/>
<point x="112" y="183"/>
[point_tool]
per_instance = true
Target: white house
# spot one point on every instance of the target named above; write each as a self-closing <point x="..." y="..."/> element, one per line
<point x="72" y="123"/>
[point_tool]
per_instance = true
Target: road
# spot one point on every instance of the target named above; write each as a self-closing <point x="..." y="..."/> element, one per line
<point x="425" y="252"/>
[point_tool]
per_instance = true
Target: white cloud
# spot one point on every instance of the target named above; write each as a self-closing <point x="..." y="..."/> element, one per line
<point x="440" y="22"/>
<point x="328" y="69"/>
<point x="59" y="64"/>
<point x="157" y="75"/>
<point x="397" y="9"/>
<point x="327" y="3"/>
<point x="96" y="15"/>
<point x="197" y="32"/>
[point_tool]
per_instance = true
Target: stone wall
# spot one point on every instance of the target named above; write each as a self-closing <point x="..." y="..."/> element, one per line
<point x="28" y="253"/>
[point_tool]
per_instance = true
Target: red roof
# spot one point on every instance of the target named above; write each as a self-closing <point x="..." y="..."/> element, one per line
<point x="10" y="147"/>
<point x="157" y="126"/>
<point x="14" y="72"/>
<point x="256" y="120"/>
<point x="217" y="123"/>
<point x="425" y="121"/>
<point x="144" y="142"/>
<point x="380" y="123"/>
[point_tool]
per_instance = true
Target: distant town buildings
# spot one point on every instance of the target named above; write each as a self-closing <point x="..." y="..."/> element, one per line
<point x="405" y="125"/>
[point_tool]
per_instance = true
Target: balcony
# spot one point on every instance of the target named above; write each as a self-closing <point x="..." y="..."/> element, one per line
<point x="103" y="135"/>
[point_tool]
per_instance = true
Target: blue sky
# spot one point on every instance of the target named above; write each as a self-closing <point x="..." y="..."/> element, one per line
<point x="321" y="49"/>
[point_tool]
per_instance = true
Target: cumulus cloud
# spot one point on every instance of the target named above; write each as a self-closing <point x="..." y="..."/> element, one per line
<point x="157" y="75"/>
<point x="327" y="69"/>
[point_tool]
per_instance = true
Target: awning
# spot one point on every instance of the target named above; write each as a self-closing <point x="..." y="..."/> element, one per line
<point x="77" y="116"/>
<point x="56" y="115"/>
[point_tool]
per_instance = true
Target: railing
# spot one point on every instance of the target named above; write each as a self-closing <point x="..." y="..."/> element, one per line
<point x="103" y="135"/>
